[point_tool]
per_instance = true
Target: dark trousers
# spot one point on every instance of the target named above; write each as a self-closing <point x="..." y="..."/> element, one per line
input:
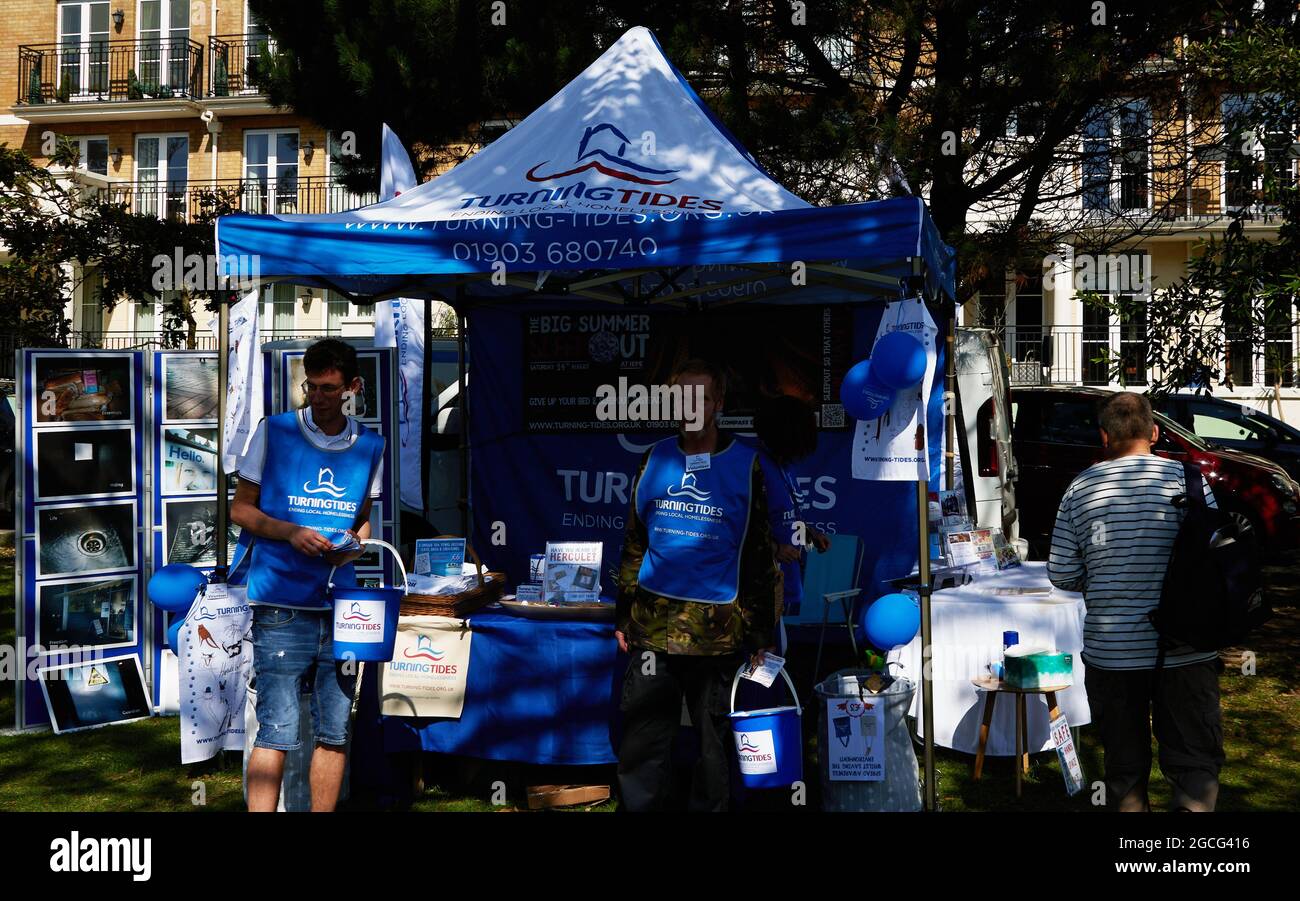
<point x="653" y="690"/>
<point x="1182" y="703"/>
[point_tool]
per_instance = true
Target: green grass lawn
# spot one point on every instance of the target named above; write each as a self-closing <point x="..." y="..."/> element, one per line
<point x="135" y="767"/>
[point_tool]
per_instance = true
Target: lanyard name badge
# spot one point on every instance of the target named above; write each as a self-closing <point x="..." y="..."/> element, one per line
<point x="696" y="462"/>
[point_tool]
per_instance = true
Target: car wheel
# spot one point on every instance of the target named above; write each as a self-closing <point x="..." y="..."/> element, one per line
<point x="1244" y="524"/>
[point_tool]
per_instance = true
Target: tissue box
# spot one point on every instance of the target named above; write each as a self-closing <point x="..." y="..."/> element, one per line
<point x="1034" y="668"/>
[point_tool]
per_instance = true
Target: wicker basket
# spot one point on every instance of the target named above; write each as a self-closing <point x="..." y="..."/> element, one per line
<point x="489" y="588"/>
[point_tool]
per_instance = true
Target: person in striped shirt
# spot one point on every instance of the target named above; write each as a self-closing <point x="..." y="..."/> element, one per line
<point x="1113" y="538"/>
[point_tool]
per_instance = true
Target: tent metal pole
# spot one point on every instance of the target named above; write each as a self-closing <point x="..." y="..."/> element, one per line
<point x="426" y="397"/>
<point x="923" y="570"/>
<point x="462" y="401"/>
<point x="223" y="390"/>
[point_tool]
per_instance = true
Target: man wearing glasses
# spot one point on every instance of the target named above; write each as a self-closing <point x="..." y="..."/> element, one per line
<point x="304" y="494"/>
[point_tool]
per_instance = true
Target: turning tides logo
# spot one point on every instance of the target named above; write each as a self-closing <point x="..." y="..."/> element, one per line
<point x="356" y="615"/>
<point x="424" y="658"/>
<point x="603" y="149"/>
<point x="424" y="650"/>
<point x="324" y="484"/>
<point x="615" y="164"/>
<point x="688" y="489"/>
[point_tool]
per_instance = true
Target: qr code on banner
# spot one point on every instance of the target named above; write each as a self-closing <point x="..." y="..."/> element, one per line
<point x="832" y="416"/>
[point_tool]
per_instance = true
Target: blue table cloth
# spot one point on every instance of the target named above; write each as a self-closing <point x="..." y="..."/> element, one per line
<point x="538" y="691"/>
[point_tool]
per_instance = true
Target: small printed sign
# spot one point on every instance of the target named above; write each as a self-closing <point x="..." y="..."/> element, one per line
<point x="1071" y="769"/>
<point x="756" y="751"/>
<point x="766" y="674"/>
<point x="855" y="740"/>
<point x="439" y="556"/>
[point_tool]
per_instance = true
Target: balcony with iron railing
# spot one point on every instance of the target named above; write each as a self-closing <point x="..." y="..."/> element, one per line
<point x="191" y="200"/>
<point x="236" y="61"/>
<point x="1117" y="354"/>
<point x="153" y="68"/>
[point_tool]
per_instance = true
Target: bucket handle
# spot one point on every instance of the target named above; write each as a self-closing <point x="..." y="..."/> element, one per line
<point x="735" y="683"/>
<point x="392" y="550"/>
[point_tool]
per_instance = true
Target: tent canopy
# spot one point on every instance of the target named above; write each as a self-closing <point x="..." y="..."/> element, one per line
<point x="624" y="187"/>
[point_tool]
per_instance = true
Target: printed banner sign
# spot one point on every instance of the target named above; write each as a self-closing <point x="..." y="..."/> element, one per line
<point x="1071" y="768"/>
<point x="216" y="654"/>
<point x="855" y="740"/>
<point x="885" y="449"/>
<point x="427" y="675"/>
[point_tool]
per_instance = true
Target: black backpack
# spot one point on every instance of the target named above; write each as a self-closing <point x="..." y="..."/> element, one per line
<point x="1213" y="594"/>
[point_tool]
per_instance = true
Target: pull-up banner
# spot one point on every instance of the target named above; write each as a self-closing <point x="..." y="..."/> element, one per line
<point x="531" y="484"/>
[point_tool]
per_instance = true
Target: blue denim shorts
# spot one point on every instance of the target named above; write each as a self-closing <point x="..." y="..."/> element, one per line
<point x="293" y="649"/>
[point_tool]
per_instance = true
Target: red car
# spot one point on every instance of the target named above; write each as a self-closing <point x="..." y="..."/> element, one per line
<point x="1055" y="437"/>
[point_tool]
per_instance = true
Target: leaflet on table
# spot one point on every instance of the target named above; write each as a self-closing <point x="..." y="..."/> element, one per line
<point x="572" y="572"/>
<point x="439" y="556"/>
<point x="766" y="674"/>
<point x="529" y="592"/>
<point x="986" y="550"/>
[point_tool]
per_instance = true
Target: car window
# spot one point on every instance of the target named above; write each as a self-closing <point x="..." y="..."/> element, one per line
<point x="1070" y="421"/>
<point x="1217" y="423"/>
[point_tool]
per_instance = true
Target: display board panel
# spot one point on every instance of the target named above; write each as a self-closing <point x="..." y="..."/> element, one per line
<point x="81" y="516"/>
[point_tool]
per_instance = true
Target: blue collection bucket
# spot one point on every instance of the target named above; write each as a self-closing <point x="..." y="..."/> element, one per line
<point x="769" y="742"/>
<point x="365" y="619"/>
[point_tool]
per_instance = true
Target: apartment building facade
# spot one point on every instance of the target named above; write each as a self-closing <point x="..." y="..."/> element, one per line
<point x="1168" y="177"/>
<point x="162" y="100"/>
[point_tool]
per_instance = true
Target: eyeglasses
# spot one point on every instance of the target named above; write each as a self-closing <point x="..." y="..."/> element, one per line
<point x="330" y="390"/>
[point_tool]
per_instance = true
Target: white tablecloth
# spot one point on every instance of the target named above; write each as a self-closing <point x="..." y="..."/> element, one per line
<point x="968" y="623"/>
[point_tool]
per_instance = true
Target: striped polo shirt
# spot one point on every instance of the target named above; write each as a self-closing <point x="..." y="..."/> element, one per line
<point x="1114" y="534"/>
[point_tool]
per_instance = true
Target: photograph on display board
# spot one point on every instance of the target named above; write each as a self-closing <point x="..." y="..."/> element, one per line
<point x="190" y="532"/>
<point x="84" y="463"/>
<point x="366" y="406"/>
<point x="85" y="695"/>
<point x="189" y="461"/>
<point x="80" y="613"/>
<point x="81" y="539"/>
<point x="70" y="388"/>
<point x="189" y="387"/>
<point x="803" y="352"/>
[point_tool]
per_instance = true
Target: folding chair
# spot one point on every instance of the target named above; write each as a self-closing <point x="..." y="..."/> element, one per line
<point x="830" y="578"/>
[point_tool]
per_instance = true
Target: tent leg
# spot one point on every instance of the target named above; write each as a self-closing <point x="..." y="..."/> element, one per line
<point x="426" y="399"/>
<point x="462" y="398"/>
<point x="223" y="389"/>
<point x="927" y="696"/>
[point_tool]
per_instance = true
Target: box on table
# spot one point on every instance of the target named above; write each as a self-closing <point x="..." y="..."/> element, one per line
<point x="1037" y="668"/>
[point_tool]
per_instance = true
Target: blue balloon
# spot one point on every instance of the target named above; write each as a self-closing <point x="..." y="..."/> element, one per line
<point x="891" y="622"/>
<point x="862" y="395"/>
<point x="173" y="587"/>
<point x="174" y="634"/>
<point x="898" y="360"/>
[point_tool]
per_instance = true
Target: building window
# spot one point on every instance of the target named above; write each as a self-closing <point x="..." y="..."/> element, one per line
<point x="162" y="175"/>
<point x="1116" y="161"/>
<point x="271" y="171"/>
<point x="1270" y="365"/>
<point x="1116" y="280"/>
<point x="83" y="48"/>
<point x="339" y="310"/>
<point x="89" y="315"/>
<point x="92" y="154"/>
<point x="278" y="310"/>
<point x="1255" y="149"/>
<point x="164" y="33"/>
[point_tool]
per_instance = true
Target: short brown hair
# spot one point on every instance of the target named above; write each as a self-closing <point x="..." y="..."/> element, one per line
<point x="1126" y="416"/>
<point x="697" y="366"/>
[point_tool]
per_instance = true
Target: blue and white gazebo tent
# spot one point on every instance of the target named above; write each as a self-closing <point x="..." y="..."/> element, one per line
<point x="622" y="194"/>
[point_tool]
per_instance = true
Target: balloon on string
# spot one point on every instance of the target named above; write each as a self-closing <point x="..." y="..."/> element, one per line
<point x="862" y="395"/>
<point x="898" y="360"/>
<point x="891" y="621"/>
<point x="173" y="587"/>
<point x="174" y="634"/>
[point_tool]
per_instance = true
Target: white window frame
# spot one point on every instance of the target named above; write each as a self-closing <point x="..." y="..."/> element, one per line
<point x="268" y="309"/>
<point x="161" y="189"/>
<point x="81" y="90"/>
<point x="166" y="50"/>
<point x="83" y="151"/>
<point x="1115" y="329"/>
<point x="1258" y="357"/>
<point x="1115" y="161"/>
<point x="1257" y="182"/>
<point x="272" y="162"/>
<point x="354" y="315"/>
